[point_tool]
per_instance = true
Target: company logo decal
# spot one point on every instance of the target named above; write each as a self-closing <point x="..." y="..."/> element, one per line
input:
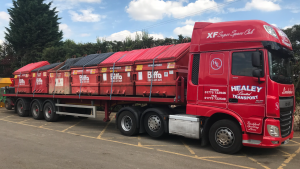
<point x="216" y="63"/>
<point x="287" y="91"/>
<point x="21" y="82"/>
<point x="245" y="92"/>
<point x="277" y="106"/>
<point x="156" y="76"/>
<point x="115" y="77"/>
<point x="252" y="126"/>
<point x="39" y="81"/>
<point x="84" y="79"/>
<point x="232" y="34"/>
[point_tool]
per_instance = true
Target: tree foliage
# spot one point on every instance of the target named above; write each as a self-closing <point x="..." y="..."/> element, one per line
<point x="33" y="27"/>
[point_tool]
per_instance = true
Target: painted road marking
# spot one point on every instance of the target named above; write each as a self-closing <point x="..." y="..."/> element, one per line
<point x="190" y="156"/>
<point x="287" y="161"/>
<point x="25" y="120"/>
<point x="72" y="126"/>
<point x="187" y="147"/>
<point x="294" y="141"/>
<point x="252" y="159"/>
<point x="102" y="132"/>
<point x="6" y="117"/>
<point x="203" y="158"/>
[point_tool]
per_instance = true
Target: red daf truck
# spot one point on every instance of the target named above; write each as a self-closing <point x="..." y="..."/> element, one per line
<point x="231" y="87"/>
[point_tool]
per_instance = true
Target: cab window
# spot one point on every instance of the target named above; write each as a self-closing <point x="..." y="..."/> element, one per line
<point x="242" y="64"/>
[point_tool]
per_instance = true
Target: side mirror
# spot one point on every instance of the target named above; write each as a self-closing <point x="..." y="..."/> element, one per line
<point x="256" y="59"/>
<point x="257" y="73"/>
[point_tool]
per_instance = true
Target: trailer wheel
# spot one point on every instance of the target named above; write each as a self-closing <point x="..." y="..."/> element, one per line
<point x="127" y="124"/>
<point x="21" y="107"/>
<point x="50" y="112"/>
<point x="36" y="110"/>
<point x="154" y="125"/>
<point x="8" y="105"/>
<point x="225" y="136"/>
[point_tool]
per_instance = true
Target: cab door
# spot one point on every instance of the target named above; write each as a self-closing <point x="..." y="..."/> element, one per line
<point x="247" y="94"/>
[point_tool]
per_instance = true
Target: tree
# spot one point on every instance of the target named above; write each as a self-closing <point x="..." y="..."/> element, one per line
<point x="294" y="36"/>
<point x="33" y="27"/>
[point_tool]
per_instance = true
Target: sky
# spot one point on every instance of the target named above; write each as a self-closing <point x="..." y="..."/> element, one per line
<point x="86" y="20"/>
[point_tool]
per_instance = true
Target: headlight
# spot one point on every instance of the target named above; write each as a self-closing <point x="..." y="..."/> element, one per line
<point x="271" y="31"/>
<point x="273" y="130"/>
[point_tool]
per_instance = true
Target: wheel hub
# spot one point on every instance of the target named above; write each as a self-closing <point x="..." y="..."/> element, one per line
<point x="126" y="123"/>
<point x="154" y="123"/>
<point x="224" y="137"/>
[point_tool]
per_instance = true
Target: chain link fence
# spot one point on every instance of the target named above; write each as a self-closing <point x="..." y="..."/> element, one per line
<point x="297" y="119"/>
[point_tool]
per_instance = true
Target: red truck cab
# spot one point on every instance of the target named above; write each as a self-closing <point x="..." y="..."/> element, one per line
<point x="240" y="74"/>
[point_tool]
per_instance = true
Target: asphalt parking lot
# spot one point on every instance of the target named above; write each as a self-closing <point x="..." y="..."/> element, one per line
<point x="92" y="143"/>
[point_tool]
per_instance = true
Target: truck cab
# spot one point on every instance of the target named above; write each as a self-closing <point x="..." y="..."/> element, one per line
<point x="240" y="82"/>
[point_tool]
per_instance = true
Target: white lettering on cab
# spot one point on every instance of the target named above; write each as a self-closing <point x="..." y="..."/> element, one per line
<point x="246" y="88"/>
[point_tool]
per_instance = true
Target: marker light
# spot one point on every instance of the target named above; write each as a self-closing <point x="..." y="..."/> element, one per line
<point x="271" y="31"/>
<point x="273" y="130"/>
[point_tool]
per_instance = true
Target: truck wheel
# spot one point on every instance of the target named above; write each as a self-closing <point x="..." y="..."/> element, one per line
<point x="225" y="136"/>
<point x="50" y="112"/>
<point x="127" y="124"/>
<point x="36" y="110"/>
<point x="154" y="125"/>
<point x="8" y="105"/>
<point x="21" y="108"/>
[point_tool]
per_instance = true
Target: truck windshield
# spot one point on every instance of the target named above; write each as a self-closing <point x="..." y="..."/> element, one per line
<point x="280" y="67"/>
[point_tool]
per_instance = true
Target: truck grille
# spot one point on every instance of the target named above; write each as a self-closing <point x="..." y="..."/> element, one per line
<point x="286" y="117"/>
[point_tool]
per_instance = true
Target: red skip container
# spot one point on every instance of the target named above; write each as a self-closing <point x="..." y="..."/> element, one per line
<point x="85" y="74"/>
<point x="171" y="63"/>
<point x="40" y="78"/>
<point x="60" y="78"/>
<point x="123" y="76"/>
<point x="23" y="77"/>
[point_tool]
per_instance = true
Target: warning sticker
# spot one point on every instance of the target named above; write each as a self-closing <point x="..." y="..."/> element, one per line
<point x="127" y="68"/>
<point x="16" y="76"/>
<point x="74" y="72"/>
<point x="93" y="71"/>
<point x="44" y="73"/>
<point x="59" y="82"/>
<point x="171" y="65"/>
<point x="171" y="72"/>
<point x="165" y="74"/>
<point x="51" y="74"/>
<point x="33" y="74"/>
<point x="139" y="67"/>
<point x="140" y="75"/>
<point x="27" y="75"/>
<point x="67" y="74"/>
<point x="104" y="77"/>
<point x="104" y="69"/>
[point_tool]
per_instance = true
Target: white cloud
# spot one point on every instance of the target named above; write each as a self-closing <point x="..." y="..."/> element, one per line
<point x="66" y="30"/>
<point x="4" y="17"/>
<point x="274" y="24"/>
<point x="187" y="30"/>
<point x="62" y="5"/>
<point x="293" y="8"/>
<point x="120" y="36"/>
<point x="85" y="35"/>
<point x="78" y="1"/>
<point x="286" y="27"/>
<point x="152" y="10"/>
<point x="1" y="42"/>
<point x="262" y="5"/>
<point x="86" y="16"/>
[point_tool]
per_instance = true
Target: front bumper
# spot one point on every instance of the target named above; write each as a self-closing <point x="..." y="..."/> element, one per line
<point x="253" y="140"/>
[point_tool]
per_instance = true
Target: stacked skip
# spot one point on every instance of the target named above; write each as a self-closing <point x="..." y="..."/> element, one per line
<point x="60" y="79"/>
<point x="85" y="74"/>
<point x="117" y="73"/>
<point x="23" y="77"/>
<point x="40" y="78"/>
<point x="160" y="69"/>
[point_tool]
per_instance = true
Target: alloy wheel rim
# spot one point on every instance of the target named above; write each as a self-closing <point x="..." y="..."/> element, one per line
<point x="154" y="123"/>
<point x="224" y="137"/>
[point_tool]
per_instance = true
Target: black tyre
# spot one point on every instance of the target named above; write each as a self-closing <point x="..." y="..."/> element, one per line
<point x="21" y="107"/>
<point x="127" y="124"/>
<point x="82" y="117"/>
<point x="8" y="105"/>
<point x="50" y="112"/>
<point x="36" y="110"/>
<point x="225" y="136"/>
<point x="154" y="125"/>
